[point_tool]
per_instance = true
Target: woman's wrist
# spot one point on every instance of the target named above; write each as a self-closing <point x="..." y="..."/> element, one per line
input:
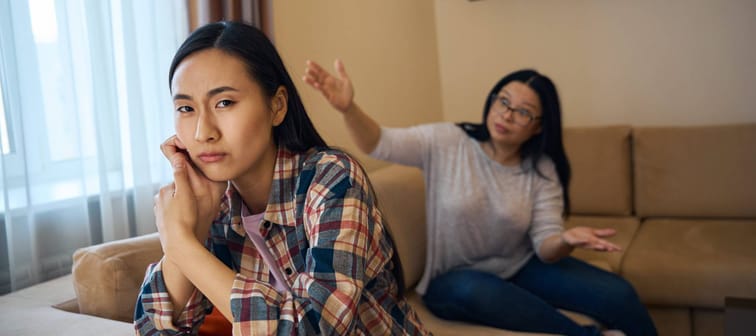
<point x="564" y="241"/>
<point x="351" y="109"/>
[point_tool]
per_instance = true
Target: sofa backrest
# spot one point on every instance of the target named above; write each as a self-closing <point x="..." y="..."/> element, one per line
<point x="600" y="159"/>
<point x="401" y="198"/>
<point x="707" y="171"/>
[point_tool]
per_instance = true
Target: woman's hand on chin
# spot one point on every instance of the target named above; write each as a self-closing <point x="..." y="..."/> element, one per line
<point x="206" y="193"/>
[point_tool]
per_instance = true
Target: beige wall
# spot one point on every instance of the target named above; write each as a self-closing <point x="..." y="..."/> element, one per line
<point x="640" y="62"/>
<point x="388" y="47"/>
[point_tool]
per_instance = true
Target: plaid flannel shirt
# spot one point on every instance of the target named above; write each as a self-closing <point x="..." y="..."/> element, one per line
<point x="326" y="233"/>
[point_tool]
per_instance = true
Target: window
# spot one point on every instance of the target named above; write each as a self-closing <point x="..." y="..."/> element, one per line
<point x="83" y="109"/>
<point x="83" y="84"/>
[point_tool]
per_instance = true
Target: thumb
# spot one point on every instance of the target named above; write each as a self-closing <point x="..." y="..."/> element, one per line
<point x="339" y="66"/>
<point x="181" y="176"/>
<point x="604" y="232"/>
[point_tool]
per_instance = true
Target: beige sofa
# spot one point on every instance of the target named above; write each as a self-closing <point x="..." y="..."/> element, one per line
<point x="682" y="199"/>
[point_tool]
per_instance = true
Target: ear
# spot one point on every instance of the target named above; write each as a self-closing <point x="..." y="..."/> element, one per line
<point x="279" y="105"/>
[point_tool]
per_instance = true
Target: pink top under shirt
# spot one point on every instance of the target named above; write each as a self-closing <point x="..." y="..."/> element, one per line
<point x="252" y="226"/>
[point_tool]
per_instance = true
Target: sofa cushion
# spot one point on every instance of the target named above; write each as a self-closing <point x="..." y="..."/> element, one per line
<point x="693" y="263"/>
<point x="671" y="321"/>
<point x="401" y="198"/>
<point x="626" y="228"/>
<point x="30" y="312"/>
<point x="107" y="277"/>
<point x="601" y="170"/>
<point x="695" y="171"/>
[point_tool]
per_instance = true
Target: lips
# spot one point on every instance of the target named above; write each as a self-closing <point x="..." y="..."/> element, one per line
<point x="501" y="128"/>
<point x="211" y="157"/>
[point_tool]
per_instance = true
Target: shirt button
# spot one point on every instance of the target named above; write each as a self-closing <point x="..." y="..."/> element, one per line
<point x="288" y="271"/>
<point x="266" y="225"/>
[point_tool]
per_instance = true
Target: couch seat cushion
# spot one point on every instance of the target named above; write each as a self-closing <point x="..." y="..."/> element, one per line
<point x="29" y="312"/>
<point x="692" y="262"/>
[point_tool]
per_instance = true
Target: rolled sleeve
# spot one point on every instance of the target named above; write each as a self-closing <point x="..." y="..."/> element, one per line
<point x="154" y="312"/>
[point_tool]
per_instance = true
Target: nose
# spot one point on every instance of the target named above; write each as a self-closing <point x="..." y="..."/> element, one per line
<point x="206" y="129"/>
<point x="507" y="113"/>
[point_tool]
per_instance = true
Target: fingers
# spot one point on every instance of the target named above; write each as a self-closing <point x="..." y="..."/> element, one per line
<point x="171" y="146"/>
<point x="181" y="177"/>
<point x="607" y="232"/>
<point x="603" y="245"/>
<point x="314" y="74"/>
<point x="339" y="66"/>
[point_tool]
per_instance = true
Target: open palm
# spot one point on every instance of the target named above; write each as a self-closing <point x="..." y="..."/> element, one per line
<point x="337" y="90"/>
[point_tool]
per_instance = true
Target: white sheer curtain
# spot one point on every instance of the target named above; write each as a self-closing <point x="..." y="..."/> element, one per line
<point x="85" y="105"/>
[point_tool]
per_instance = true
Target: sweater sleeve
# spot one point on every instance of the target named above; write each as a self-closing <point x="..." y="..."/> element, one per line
<point x="547" y="205"/>
<point x="411" y="146"/>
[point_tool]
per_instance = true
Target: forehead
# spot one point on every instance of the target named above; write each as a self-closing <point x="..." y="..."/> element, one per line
<point x="207" y="69"/>
<point x="520" y="91"/>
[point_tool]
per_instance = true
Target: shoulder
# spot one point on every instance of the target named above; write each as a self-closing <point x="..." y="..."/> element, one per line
<point x="331" y="168"/>
<point x="547" y="169"/>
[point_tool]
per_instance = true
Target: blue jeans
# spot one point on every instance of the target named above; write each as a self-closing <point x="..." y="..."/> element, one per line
<point x="528" y="301"/>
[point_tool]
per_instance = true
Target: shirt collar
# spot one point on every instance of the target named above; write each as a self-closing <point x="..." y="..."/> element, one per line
<point x="281" y="201"/>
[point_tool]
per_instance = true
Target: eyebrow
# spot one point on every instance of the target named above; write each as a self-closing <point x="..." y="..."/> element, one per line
<point x="524" y="103"/>
<point x="210" y="93"/>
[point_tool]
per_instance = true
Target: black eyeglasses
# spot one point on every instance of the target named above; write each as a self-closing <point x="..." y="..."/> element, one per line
<point x="520" y="116"/>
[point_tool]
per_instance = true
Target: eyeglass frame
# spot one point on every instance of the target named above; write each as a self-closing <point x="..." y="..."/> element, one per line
<point x="508" y="108"/>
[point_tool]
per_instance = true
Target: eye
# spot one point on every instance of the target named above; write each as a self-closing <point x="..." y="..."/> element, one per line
<point x="224" y="103"/>
<point x="523" y="112"/>
<point x="184" y="109"/>
<point x="504" y="101"/>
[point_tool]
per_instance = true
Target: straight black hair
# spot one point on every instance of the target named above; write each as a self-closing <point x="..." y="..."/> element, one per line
<point x="548" y="142"/>
<point x="296" y="133"/>
<point x="264" y="65"/>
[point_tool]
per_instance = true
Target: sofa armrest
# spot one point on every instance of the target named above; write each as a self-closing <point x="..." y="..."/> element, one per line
<point x="107" y="277"/>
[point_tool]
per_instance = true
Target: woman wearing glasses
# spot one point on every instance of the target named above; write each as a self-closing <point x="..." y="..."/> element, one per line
<point x="497" y="194"/>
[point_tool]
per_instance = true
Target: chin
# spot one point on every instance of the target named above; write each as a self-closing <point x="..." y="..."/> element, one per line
<point x="216" y="175"/>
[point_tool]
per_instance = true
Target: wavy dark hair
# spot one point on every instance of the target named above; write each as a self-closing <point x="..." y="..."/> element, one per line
<point x="264" y="65"/>
<point x="548" y="142"/>
<point x="249" y="44"/>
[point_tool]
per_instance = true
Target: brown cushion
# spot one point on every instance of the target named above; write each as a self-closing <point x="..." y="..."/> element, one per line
<point x="601" y="175"/>
<point x="107" y="277"/>
<point x="626" y="228"/>
<point x="401" y="197"/>
<point x="671" y="321"/>
<point x="692" y="262"/>
<point x="695" y="171"/>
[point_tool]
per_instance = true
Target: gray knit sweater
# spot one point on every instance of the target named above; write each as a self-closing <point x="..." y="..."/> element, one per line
<point x="480" y="214"/>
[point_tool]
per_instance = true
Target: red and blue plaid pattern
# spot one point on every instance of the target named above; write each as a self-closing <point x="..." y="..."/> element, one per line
<point x="326" y="233"/>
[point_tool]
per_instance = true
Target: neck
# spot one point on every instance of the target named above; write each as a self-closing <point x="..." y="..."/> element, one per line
<point x="507" y="155"/>
<point x="254" y="185"/>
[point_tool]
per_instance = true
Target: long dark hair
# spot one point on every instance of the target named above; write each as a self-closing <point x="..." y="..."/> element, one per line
<point x="296" y="133"/>
<point x="548" y="142"/>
